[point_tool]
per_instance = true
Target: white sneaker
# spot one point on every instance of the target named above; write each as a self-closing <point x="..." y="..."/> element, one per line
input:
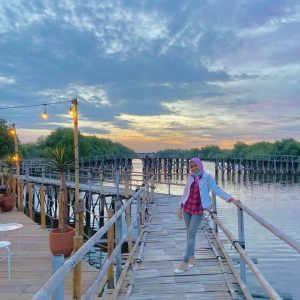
<point x="191" y="262"/>
<point x="182" y="267"/>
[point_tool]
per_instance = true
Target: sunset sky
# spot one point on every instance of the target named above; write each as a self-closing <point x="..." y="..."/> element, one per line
<point x="153" y="74"/>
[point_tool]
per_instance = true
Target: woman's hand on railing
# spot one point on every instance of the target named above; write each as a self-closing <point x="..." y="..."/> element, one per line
<point x="179" y="213"/>
<point x="235" y="201"/>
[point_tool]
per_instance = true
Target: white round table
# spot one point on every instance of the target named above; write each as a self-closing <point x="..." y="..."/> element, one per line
<point x="9" y="226"/>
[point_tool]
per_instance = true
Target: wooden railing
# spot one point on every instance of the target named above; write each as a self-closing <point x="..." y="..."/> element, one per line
<point x="143" y="198"/>
<point x="239" y="245"/>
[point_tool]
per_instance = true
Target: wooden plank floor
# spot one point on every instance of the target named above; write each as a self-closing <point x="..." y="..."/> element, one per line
<point x="164" y="248"/>
<point x="31" y="267"/>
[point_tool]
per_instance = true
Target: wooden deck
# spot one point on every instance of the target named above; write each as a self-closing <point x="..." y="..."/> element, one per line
<point x="164" y="248"/>
<point x="31" y="267"/>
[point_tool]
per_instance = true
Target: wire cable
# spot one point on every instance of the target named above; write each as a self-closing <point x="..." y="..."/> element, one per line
<point x="32" y="105"/>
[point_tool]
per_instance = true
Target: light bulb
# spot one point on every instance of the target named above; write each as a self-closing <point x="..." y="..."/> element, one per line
<point x="44" y="114"/>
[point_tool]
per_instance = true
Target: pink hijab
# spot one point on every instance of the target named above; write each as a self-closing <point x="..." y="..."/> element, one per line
<point x="199" y="163"/>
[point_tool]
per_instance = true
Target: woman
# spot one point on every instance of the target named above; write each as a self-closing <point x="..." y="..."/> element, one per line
<point x="194" y="201"/>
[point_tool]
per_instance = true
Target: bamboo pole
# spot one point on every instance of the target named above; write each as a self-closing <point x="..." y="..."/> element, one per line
<point x="20" y="194"/>
<point x="29" y="186"/>
<point x="230" y="263"/>
<point x="17" y="158"/>
<point x="232" y="267"/>
<point x="42" y="200"/>
<point x="128" y="210"/>
<point x="129" y="261"/>
<point x="126" y="185"/>
<point x="271" y="227"/>
<point x="110" y="248"/>
<point x="128" y="223"/>
<point x="77" y="243"/>
<point x="78" y="239"/>
<point x="259" y="276"/>
<point x="143" y="207"/>
<point x="14" y="184"/>
<point x="101" y="181"/>
<point x="130" y="285"/>
<point x="91" y="290"/>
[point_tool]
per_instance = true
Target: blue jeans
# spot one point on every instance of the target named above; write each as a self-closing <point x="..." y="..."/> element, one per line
<point x="192" y="223"/>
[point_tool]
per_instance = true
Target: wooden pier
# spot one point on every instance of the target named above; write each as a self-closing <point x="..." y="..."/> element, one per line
<point x="164" y="246"/>
<point x="31" y="260"/>
<point x="146" y="272"/>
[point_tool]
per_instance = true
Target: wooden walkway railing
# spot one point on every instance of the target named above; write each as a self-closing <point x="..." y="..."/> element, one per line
<point x="148" y="272"/>
<point x="143" y="198"/>
<point x="151" y="275"/>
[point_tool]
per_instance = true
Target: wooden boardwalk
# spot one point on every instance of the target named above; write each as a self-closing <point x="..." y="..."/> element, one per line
<point x="164" y="248"/>
<point x="31" y="267"/>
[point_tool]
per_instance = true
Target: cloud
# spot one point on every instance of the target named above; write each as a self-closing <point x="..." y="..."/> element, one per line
<point x="161" y="73"/>
<point x="7" y="80"/>
<point x="94" y="95"/>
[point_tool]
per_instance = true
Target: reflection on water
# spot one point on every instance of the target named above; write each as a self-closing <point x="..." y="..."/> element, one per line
<point x="276" y="198"/>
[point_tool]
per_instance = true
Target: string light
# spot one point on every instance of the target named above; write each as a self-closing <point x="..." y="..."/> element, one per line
<point x="44" y="114"/>
<point x="12" y="131"/>
<point x="71" y="111"/>
<point x="32" y="105"/>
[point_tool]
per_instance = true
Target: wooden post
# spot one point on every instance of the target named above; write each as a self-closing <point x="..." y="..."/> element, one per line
<point x="42" y="200"/>
<point x="214" y="207"/>
<point x="17" y="158"/>
<point x="110" y="248"/>
<point x="126" y="185"/>
<point x="20" y="194"/>
<point x="138" y="212"/>
<point x="78" y="239"/>
<point x="118" y="237"/>
<point x="88" y="204"/>
<point x="118" y="224"/>
<point x="14" y="186"/>
<point x="143" y="206"/>
<point x="30" y="212"/>
<point x="242" y="242"/>
<point x="101" y="175"/>
<point x="152" y="192"/>
<point x="77" y="243"/>
<point x="128" y="211"/>
<point x="101" y="210"/>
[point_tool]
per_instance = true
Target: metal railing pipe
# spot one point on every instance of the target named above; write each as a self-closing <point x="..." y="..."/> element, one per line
<point x="283" y="236"/>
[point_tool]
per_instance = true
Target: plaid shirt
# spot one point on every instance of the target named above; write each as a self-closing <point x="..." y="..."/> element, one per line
<point x="193" y="205"/>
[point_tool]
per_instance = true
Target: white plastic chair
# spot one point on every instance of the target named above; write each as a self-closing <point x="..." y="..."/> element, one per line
<point x="6" y="245"/>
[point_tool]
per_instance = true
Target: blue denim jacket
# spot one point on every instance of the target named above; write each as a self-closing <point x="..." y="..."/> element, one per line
<point x="206" y="184"/>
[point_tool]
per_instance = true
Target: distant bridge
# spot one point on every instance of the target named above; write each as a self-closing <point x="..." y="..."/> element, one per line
<point x="164" y="164"/>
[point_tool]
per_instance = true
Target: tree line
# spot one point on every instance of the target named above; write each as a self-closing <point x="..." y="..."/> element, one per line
<point x="91" y="146"/>
<point x="88" y="145"/>
<point x="281" y="147"/>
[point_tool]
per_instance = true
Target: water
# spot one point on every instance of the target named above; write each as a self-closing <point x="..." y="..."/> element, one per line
<point x="277" y="200"/>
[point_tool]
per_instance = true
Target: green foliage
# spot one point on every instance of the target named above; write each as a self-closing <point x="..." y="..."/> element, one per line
<point x="7" y="173"/>
<point x="286" y="146"/>
<point x="6" y="140"/>
<point x="63" y="137"/>
<point x="59" y="159"/>
<point x="283" y="147"/>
